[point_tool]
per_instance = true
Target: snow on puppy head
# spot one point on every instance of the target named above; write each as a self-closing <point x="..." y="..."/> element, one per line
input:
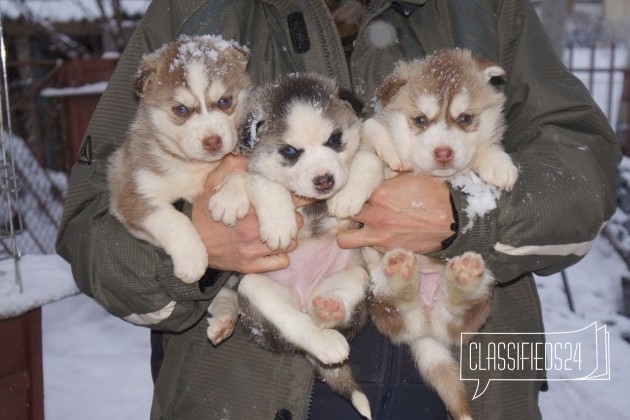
<point x="302" y="132"/>
<point x="193" y="91"/>
<point x="442" y="110"/>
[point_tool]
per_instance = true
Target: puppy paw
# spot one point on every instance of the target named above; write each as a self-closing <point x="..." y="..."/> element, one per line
<point x="400" y="265"/>
<point x="346" y="203"/>
<point x="329" y="346"/>
<point x="220" y="328"/>
<point x="466" y="271"/>
<point x="500" y="172"/>
<point x="277" y="232"/>
<point x="190" y="263"/>
<point x="328" y="311"/>
<point x="229" y="201"/>
<point x="223" y="315"/>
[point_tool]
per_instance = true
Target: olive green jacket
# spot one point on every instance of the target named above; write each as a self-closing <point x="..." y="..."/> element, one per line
<point x="561" y="142"/>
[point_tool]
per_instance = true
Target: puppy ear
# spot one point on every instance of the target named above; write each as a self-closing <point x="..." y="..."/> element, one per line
<point x="248" y="136"/>
<point x="494" y="73"/>
<point x="143" y="76"/>
<point x="351" y="99"/>
<point x="238" y="53"/>
<point x="389" y="87"/>
<point x="491" y="72"/>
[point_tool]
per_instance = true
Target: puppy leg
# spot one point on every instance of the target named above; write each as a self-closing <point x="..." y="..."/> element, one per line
<point x="223" y="315"/>
<point x="341" y="380"/>
<point x="495" y="167"/>
<point x="365" y="174"/>
<point x="279" y="306"/>
<point x="230" y="201"/>
<point x="468" y="288"/>
<point x="441" y="371"/>
<point x="374" y="135"/>
<point x="467" y="281"/>
<point x="336" y="297"/>
<point x="174" y="232"/>
<point x="275" y="211"/>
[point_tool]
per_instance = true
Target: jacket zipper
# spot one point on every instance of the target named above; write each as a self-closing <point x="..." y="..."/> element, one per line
<point x="324" y="45"/>
<point x="389" y="380"/>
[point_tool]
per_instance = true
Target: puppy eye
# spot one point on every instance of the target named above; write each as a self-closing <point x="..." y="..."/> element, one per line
<point x="181" y="110"/>
<point x="334" y="141"/>
<point x="225" y="102"/>
<point x="421" y="121"/>
<point x="465" y="119"/>
<point x="290" y="153"/>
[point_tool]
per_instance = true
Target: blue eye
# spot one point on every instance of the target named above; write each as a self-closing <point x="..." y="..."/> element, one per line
<point x="225" y="102"/>
<point x="181" y="110"/>
<point x="290" y="153"/>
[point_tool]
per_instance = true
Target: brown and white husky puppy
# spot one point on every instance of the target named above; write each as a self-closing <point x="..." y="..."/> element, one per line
<point x="192" y="99"/>
<point x="439" y="116"/>
<point x="301" y="137"/>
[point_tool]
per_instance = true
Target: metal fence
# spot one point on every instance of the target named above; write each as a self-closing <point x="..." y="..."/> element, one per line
<point x="602" y="69"/>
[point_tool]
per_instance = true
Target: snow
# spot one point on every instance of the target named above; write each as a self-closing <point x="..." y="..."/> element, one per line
<point x="96" y="366"/>
<point x="38" y="286"/>
<point x="482" y="197"/>
<point x="87" y="89"/>
<point x="69" y="10"/>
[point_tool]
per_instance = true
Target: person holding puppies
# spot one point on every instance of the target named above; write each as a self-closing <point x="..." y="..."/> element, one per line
<point x="564" y="149"/>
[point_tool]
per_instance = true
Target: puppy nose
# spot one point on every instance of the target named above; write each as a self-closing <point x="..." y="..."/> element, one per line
<point x="443" y="154"/>
<point x="212" y="143"/>
<point x="324" y="183"/>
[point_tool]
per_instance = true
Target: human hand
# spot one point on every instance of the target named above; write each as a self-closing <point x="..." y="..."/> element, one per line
<point x="408" y="211"/>
<point x="236" y="248"/>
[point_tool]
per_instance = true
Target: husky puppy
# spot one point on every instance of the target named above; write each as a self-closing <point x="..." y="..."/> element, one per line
<point x="439" y="116"/>
<point x="192" y="95"/>
<point x="300" y="137"/>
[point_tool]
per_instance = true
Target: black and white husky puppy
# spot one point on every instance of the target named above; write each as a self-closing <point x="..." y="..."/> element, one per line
<point x="301" y="137"/>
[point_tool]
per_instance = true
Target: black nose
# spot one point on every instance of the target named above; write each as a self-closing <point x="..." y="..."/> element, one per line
<point x="324" y="183"/>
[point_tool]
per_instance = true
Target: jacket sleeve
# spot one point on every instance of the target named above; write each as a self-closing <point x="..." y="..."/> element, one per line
<point x="567" y="156"/>
<point x="129" y="277"/>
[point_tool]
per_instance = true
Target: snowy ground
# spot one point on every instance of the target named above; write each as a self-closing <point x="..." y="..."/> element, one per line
<point x="97" y="366"/>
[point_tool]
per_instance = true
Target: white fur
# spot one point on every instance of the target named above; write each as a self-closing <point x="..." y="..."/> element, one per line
<point x="158" y="177"/>
<point x="278" y="305"/>
<point x="230" y="201"/>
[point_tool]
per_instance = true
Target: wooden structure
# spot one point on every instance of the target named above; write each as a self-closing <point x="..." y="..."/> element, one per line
<point x="21" y="377"/>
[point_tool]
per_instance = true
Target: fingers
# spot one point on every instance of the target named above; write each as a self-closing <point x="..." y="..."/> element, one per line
<point x="230" y="163"/>
<point x="267" y="263"/>
<point x="357" y="238"/>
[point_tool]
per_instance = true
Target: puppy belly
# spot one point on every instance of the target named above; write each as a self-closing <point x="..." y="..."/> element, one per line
<point x="311" y="263"/>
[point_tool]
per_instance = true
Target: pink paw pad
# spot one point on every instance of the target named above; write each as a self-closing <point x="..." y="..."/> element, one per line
<point x="400" y="263"/>
<point x="220" y="328"/>
<point x="467" y="269"/>
<point x="329" y="309"/>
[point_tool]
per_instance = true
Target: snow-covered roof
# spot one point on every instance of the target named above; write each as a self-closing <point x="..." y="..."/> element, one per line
<point x="68" y="10"/>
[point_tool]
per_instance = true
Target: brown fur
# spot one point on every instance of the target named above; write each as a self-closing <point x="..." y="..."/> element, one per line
<point x="171" y="147"/>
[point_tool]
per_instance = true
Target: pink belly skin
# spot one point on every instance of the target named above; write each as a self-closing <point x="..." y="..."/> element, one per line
<point x="314" y="260"/>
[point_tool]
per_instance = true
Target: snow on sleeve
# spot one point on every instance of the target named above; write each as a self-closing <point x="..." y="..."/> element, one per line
<point x="482" y="197"/>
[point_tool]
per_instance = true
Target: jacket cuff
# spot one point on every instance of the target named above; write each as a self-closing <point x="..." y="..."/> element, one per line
<point x="478" y="234"/>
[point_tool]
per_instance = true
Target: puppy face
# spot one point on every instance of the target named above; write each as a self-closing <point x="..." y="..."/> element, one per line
<point x="442" y="110"/>
<point x="193" y="94"/>
<point x="302" y="134"/>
